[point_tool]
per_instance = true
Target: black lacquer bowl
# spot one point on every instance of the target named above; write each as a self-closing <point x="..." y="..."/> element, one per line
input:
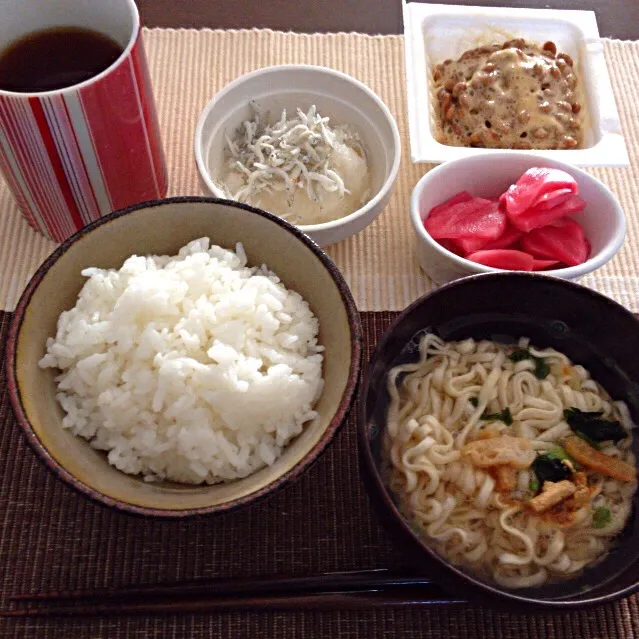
<point x="589" y="328"/>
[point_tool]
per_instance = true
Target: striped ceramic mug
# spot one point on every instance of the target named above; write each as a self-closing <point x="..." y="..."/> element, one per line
<point x="72" y="155"/>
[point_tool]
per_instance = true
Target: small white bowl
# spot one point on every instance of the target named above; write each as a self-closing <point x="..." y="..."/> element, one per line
<point x="337" y="96"/>
<point x="490" y="174"/>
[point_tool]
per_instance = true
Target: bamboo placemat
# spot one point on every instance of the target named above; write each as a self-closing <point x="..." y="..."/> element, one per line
<point x="52" y="538"/>
<point x="189" y="66"/>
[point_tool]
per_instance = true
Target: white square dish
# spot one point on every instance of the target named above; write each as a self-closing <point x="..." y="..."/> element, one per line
<point x="435" y="32"/>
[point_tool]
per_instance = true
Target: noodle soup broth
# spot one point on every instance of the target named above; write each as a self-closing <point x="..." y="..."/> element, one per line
<point x="462" y="390"/>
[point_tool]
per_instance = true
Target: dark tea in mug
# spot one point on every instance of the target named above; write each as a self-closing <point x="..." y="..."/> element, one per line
<point x="79" y="133"/>
<point x="56" y="58"/>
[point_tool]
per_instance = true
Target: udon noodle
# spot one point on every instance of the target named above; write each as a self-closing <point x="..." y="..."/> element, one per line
<point x="463" y="468"/>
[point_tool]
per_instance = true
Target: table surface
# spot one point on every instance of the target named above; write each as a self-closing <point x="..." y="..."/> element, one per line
<point x="616" y="19"/>
<point x="49" y="530"/>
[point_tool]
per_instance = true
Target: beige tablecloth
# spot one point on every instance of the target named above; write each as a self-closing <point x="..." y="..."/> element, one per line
<point x="189" y="66"/>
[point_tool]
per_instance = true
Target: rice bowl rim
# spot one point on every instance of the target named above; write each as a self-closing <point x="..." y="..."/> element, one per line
<point x="292" y="473"/>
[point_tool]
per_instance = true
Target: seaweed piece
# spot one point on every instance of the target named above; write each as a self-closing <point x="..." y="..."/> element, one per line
<point x="594" y="426"/>
<point x="504" y="416"/>
<point x="542" y="369"/>
<point x="548" y="468"/>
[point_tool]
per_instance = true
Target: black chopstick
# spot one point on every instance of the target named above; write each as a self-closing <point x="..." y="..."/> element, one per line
<point x="271" y="585"/>
<point x="360" y="600"/>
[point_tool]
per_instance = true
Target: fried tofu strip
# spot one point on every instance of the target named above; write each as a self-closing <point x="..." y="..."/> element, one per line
<point x="551" y="494"/>
<point x="506" y="477"/>
<point x="580" y="480"/>
<point x="583" y="495"/>
<point x="595" y="460"/>
<point x="500" y="451"/>
<point x="580" y="498"/>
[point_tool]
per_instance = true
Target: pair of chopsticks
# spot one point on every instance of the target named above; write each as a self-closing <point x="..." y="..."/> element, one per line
<point x="361" y="590"/>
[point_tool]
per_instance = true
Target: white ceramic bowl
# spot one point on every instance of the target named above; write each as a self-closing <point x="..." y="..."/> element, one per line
<point x="336" y="95"/>
<point x="490" y="174"/>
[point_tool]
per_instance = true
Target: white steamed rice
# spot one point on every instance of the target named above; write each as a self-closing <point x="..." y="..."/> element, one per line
<point x="194" y="368"/>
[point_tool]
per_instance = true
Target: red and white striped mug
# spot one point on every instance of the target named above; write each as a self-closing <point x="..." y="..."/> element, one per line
<point x="75" y="154"/>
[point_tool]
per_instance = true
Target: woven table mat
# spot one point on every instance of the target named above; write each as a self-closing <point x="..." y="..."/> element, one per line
<point x="53" y="538"/>
<point x="189" y="66"/>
